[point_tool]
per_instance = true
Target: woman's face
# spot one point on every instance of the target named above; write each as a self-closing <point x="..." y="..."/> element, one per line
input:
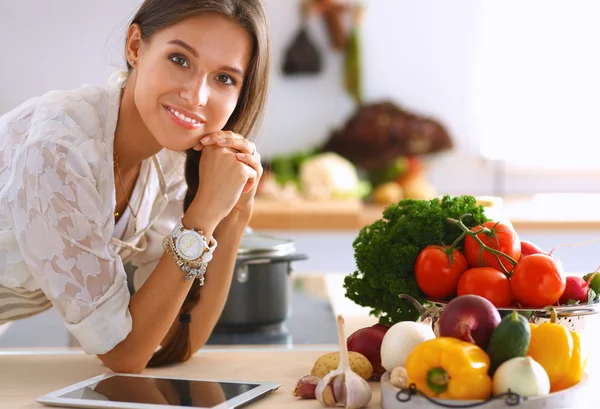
<point x="189" y="77"/>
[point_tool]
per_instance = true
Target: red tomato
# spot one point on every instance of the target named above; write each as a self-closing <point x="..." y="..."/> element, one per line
<point x="437" y="276"/>
<point x="538" y="281"/>
<point x="528" y="248"/>
<point x="488" y="283"/>
<point x="502" y="237"/>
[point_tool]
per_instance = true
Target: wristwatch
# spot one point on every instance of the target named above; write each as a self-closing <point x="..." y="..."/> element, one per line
<point x="191" y="244"/>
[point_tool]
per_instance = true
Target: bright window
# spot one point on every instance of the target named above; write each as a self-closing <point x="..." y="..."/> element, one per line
<point x="536" y="83"/>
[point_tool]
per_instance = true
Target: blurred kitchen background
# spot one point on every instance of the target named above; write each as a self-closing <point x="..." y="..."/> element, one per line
<point x="394" y="99"/>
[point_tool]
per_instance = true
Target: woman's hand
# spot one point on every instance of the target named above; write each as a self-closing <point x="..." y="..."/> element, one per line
<point x="227" y="175"/>
<point x="245" y="151"/>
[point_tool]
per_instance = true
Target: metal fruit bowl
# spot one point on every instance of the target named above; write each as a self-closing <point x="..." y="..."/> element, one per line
<point x="574" y="317"/>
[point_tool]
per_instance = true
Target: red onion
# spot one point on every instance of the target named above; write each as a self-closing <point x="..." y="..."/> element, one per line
<point x="469" y="318"/>
<point x="367" y="341"/>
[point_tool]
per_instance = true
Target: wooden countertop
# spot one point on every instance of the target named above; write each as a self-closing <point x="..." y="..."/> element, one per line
<point x="544" y="211"/>
<point x="23" y="378"/>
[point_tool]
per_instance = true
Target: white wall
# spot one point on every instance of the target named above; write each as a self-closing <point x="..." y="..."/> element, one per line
<point x="416" y="53"/>
<point x="58" y="44"/>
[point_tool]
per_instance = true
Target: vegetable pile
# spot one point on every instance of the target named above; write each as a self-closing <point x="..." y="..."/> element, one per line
<point x="477" y="354"/>
<point x="386" y="252"/>
<point x="436" y="250"/>
<point x="477" y="344"/>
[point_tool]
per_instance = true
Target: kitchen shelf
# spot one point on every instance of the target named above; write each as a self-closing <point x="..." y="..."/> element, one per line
<point x="538" y="212"/>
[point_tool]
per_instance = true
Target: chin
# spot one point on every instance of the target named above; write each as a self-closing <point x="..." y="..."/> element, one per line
<point x="176" y="139"/>
<point x="175" y="146"/>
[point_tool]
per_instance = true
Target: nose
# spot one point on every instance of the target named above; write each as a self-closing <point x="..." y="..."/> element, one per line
<point x="197" y="92"/>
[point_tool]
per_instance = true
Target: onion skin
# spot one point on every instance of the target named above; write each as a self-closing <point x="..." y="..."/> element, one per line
<point x="522" y="375"/>
<point x="401" y="339"/>
<point x="367" y="341"/>
<point x="469" y="318"/>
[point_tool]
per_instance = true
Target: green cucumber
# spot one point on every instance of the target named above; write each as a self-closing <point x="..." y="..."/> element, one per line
<point x="526" y="313"/>
<point x="510" y="339"/>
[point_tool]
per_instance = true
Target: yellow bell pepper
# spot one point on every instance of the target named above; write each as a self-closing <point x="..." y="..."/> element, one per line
<point x="558" y="351"/>
<point x="448" y="368"/>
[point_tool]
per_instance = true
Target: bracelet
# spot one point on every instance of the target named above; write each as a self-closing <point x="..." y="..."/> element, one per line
<point x="190" y="268"/>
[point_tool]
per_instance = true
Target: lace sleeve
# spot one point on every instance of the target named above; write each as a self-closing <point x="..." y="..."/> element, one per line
<point x="63" y="234"/>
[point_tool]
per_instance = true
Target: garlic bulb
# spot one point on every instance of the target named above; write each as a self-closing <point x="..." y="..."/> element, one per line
<point x="401" y="339"/>
<point x="342" y="386"/>
<point x="521" y="375"/>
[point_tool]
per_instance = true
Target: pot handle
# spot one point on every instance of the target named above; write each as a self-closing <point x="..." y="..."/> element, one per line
<point x="241" y="269"/>
<point x="262" y="259"/>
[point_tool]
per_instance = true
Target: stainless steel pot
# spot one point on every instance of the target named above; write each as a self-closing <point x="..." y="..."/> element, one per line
<point x="260" y="292"/>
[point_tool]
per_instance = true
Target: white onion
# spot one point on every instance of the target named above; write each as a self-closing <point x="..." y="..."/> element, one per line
<point x="521" y="375"/>
<point x="401" y="339"/>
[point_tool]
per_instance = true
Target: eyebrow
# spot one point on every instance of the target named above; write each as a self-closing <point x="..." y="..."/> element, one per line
<point x="193" y="51"/>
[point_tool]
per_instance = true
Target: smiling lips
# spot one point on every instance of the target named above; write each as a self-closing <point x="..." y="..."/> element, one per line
<point x="183" y="120"/>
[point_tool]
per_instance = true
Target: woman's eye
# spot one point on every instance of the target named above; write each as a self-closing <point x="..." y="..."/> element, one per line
<point x="225" y="79"/>
<point x="179" y="60"/>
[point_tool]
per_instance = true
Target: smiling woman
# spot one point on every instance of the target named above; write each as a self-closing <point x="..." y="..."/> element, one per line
<point x="151" y="171"/>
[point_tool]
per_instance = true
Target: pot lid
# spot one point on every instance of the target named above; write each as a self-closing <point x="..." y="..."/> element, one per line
<point x="253" y="242"/>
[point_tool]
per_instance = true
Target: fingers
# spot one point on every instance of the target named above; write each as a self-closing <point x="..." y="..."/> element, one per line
<point x="244" y="149"/>
<point x="253" y="177"/>
<point x="210" y="139"/>
<point x="253" y="162"/>
<point x="228" y="140"/>
<point x="239" y="144"/>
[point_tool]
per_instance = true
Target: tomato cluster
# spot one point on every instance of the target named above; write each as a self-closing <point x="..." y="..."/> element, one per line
<point x="514" y="273"/>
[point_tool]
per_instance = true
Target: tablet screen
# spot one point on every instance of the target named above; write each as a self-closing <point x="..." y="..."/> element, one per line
<point x="160" y="391"/>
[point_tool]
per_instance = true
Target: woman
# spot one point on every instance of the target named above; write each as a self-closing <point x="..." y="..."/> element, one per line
<point x="93" y="179"/>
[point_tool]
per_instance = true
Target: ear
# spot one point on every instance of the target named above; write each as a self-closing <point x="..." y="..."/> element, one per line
<point x="134" y="43"/>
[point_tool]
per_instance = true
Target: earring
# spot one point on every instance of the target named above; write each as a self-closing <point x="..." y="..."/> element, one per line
<point x="132" y="63"/>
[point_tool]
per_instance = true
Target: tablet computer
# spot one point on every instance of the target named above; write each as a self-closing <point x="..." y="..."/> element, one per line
<point x="125" y="391"/>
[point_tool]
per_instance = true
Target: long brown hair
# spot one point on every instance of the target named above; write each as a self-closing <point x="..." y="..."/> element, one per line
<point x="155" y="15"/>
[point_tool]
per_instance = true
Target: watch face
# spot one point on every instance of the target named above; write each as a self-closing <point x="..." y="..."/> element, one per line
<point x="190" y="245"/>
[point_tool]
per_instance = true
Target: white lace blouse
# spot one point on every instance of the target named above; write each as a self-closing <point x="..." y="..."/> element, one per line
<point x="57" y="199"/>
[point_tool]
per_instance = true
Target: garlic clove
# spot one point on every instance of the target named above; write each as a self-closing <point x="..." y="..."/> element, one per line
<point x="327" y="397"/>
<point x="358" y="392"/>
<point x="338" y="385"/>
<point x="324" y="390"/>
<point x="306" y="386"/>
<point x="399" y="377"/>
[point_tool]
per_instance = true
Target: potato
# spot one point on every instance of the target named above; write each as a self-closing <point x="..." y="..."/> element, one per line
<point x="328" y="362"/>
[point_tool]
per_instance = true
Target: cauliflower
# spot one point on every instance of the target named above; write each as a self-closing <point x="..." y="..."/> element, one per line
<point x="329" y="176"/>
